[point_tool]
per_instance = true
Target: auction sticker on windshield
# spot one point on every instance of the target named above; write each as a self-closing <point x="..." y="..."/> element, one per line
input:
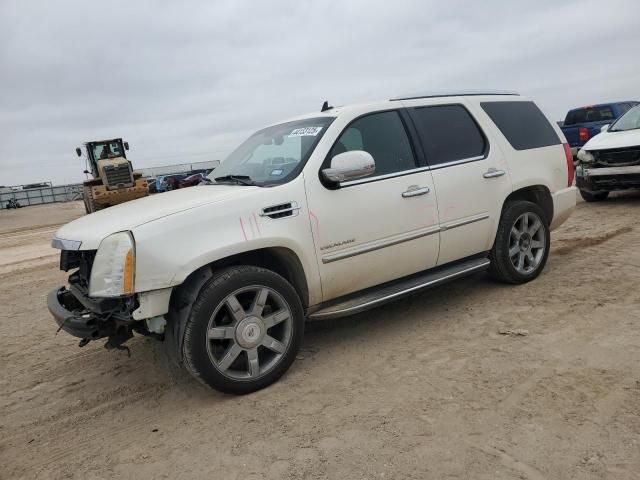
<point x="305" y="132"/>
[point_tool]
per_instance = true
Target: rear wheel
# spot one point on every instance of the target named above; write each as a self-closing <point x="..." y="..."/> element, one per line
<point x="594" y="196"/>
<point x="522" y="242"/>
<point x="244" y="330"/>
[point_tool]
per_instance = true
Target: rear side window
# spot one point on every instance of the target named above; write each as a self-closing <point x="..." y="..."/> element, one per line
<point x="590" y="114"/>
<point x="448" y="133"/>
<point x="522" y="124"/>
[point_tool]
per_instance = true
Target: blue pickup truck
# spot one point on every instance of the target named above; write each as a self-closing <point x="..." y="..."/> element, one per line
<point x="583" y="123"/>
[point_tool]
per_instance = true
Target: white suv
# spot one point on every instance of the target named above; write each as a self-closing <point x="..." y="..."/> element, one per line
<point x="318" y="217"/>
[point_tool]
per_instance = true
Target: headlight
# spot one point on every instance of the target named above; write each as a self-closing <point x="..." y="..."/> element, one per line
<point x="113" y="268"/>
<point x="585" y="157"/>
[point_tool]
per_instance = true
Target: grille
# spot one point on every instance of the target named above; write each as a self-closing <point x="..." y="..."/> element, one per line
<point x="618" y="157"/>
<point x="119" y="175"/>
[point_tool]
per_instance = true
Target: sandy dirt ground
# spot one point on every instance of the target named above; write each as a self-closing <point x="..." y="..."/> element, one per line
<point x="426" y="388"/>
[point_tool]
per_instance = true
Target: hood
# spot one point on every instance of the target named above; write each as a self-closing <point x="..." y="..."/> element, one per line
<point x="606" y="140"/>
<point x="91" y="229"/>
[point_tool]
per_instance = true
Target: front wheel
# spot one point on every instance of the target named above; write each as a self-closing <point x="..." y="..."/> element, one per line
<point x="244" y="330"/>
<point x="522" y="243"/>
<point x="594" y="196"/>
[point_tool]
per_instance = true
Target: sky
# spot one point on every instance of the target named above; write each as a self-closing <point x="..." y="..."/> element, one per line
<point x="188" y="81"/>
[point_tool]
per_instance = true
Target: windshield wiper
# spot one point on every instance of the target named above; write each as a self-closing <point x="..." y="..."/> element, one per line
<point x="239" y="179"/>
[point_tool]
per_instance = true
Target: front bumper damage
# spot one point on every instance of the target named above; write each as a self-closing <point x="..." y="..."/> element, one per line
<point x="597" y="179"/>
<point x="609" y="170"/>
<point x="91" y="319"/>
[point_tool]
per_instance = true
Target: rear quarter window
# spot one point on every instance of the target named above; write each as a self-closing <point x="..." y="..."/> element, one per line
<point x="522" y="123"/>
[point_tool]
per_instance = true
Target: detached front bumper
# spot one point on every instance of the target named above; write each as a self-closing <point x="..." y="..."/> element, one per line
<point x="69" y="315"/>
<point x="90" y="318"/>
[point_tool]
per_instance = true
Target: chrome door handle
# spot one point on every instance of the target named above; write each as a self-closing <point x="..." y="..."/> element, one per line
<point x="415" y="190"/>
<point x="493" y="173"/>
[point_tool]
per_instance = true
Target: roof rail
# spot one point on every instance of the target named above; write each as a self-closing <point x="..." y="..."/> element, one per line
<point x="454" y="93"/>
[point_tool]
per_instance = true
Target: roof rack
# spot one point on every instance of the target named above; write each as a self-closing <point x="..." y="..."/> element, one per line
<point x="454" y="93"/>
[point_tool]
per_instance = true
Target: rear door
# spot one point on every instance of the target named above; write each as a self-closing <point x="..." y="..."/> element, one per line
<point x="469" y="173"/>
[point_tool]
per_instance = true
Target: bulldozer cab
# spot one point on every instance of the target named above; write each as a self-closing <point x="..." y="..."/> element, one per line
<point x="103" y="150"/>
<point x="114" y="180"/>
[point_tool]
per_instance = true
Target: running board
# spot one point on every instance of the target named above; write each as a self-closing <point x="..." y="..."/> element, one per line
<point x="375" y="296"/>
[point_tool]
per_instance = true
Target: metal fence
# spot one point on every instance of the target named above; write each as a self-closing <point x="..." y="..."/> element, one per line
<point x="38" y="196"/>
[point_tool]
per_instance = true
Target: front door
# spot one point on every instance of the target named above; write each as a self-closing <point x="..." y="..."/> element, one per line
<point x="470" y="176"/>
<point x="379" y="228"/>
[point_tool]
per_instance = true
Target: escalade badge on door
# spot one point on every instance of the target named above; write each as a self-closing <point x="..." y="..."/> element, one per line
<point x="338" y="244"/>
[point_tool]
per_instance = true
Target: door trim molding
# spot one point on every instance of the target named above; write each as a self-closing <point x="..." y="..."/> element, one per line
<point x="464" y="221"/>
<point x="379" y="244"/>
<point x="397" y="239"/>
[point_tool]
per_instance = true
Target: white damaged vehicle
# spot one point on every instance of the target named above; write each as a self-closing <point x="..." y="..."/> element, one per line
<point x="319" y="217"/>
<point x="611" y="160"/>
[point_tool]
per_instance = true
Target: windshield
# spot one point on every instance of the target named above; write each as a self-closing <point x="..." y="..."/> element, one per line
<point x="628" y="121"/>
<point x="104" y="150"/>
<point x="275" y="154"/>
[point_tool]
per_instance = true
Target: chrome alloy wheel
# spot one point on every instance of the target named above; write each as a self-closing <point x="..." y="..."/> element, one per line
<point x="527" y="243"/>
<point x="249" y="332"/>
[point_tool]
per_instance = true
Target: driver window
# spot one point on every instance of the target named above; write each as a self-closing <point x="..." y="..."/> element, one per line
<point x="383" y="136"/>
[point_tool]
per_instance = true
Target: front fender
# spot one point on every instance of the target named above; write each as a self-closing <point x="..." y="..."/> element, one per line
<point x="169" y="249"/>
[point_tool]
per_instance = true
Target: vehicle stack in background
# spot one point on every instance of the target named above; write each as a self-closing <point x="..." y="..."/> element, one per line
<point x="172" y="177"/>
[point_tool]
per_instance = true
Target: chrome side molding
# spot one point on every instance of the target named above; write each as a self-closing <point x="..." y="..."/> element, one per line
<point x="378" y="244"/>
<point x="396" y="239"/>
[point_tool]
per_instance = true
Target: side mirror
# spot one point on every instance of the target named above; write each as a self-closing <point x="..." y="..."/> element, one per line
<point x="126" y="145"/>
<point x="350" y="166"/>
<point x="604" y="128"/>
<point x="78" y="152"/>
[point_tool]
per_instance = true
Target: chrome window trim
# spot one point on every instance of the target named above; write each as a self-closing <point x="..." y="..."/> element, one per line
<point x="413" y="170"/>
<point x="385" y="176"/>
<point x="459" y="162"/>
<point x="63" y="244"/>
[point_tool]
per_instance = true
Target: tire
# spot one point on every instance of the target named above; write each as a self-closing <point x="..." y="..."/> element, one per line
<point x="594" y="196"/>
<point x="90" y="204"/>
<point x="243" y="345"/>
<point x="515" y="257"/>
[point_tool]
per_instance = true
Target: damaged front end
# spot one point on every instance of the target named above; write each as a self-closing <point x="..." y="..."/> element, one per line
<point x="90" y="318"/>
<point x="608" y="169"/>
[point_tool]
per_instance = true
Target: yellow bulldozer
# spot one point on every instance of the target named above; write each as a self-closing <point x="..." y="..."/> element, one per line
<point x="114" y="180"/>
